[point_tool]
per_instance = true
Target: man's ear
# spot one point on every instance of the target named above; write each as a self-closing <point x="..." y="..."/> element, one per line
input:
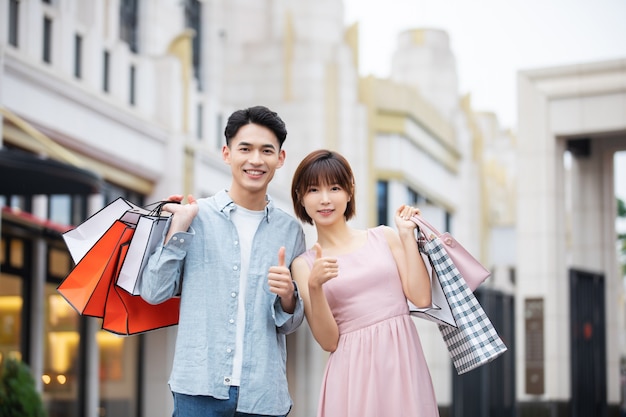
<point x="281" y="158"/>
<point x="226" y="154"/>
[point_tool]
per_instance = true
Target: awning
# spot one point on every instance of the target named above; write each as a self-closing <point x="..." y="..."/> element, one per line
<point x="37" y="139"/>
<point x="22" y="173"/>
<point x="31" y="222"/>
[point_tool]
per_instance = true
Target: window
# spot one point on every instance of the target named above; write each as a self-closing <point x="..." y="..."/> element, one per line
<point x="199" y="125"/>
<point x="112" y="192"/>
<point x="21" y="202"/>
<point x="415" y="198"/>
<point x="11" y="300"/>
<point x="219" y="123"/>
<point x="47" y="40"/>
<point x="382" y="190"/>
<point x="128" y="23"/>
<point x="119" y="374"/>
<point x="66" y="209"/>
<point x="78" y="56"/>
<point x="14" y="14"/>
<point x="61" y="358"/>
<point x="131" y="84"/>
<point x="105" y="71"/>
<point x="193" y="19"/>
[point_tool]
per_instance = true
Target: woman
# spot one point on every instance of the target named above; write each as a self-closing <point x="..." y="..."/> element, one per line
<point x="354" y="284"/>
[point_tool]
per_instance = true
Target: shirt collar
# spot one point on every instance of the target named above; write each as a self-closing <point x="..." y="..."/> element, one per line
<point x="226" y="204"/>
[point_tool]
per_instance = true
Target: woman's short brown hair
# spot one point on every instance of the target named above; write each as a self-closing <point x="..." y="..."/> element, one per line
<point x="318" y="168"/>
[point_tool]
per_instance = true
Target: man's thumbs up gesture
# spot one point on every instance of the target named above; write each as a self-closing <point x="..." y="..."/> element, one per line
<point x="281" y="284"/>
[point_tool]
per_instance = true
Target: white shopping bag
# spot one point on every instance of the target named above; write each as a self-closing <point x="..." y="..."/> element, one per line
<point x="80" y="239"/>
<point x="440" y="311"/>
<point x="148" y="234"/>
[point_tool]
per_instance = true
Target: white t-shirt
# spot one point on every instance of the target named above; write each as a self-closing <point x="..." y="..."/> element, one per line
<point x="247" y="222"/>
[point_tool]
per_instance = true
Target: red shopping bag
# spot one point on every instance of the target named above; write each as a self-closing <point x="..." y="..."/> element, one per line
<point x="87" y="285"/>
<point x="128" y="314"/>
<point x="91" y="287"/>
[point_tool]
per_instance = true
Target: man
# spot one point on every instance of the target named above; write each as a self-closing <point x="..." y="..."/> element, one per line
<point x="229" y="257"/>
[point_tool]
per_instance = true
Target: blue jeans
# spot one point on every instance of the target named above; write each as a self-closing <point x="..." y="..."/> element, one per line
<point x="205" y="406"/>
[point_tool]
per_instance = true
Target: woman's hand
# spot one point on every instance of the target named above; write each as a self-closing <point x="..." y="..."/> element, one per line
<point x="323" y="270"/>
<point x="403" y="220"/>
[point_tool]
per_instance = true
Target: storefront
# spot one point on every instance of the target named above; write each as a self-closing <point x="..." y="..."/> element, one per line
<point x="80" y="366"/>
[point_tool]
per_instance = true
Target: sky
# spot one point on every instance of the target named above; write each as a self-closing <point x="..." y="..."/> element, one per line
<point x="494" y="39"/>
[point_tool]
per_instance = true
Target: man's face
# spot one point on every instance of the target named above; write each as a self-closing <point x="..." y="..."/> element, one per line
<point x="253" y="156"/>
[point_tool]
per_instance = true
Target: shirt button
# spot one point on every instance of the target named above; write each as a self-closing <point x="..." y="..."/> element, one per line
<point x="233" y="294"/>
<point x="236" y="243"/>
<point x="231" y="321"/>
<point x="182" y="240"/>
<point x="174" y="238"/>
<point x="235" y="267"/>
<point x="229" y="350"/>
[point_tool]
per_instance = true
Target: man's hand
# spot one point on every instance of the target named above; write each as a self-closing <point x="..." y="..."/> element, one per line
<point x="183" y="214"/>
<point x="281" y="284"/>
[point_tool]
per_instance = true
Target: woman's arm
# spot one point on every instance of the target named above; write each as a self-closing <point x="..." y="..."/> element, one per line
<point x="413" y="272"/>
<point x="316" y="308"/>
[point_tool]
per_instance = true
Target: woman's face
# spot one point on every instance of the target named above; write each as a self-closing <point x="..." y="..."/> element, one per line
<point x="326" y="203"/>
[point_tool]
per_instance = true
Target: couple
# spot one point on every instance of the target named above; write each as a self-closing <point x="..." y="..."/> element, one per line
<point x="246" y="280"/>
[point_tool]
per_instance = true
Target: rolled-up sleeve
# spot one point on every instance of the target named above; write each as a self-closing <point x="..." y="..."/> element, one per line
<point x="161" y="278"/>
<point x="289" y="322"/>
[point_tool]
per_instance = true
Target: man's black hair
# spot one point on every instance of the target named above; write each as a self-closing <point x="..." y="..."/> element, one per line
<point x="259" y="115"/>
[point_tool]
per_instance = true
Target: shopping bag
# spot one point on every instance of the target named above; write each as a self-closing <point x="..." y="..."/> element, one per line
<point x="148" y="234"/>
<point x="474" y="341"/>
<point x="91" y="285"/>
<point x="472" y="271"/>
<point x="86" y="287"/>
<point x="126" y="314"/>
<point x="81" y="238"/>
<point x="440" y="311"/>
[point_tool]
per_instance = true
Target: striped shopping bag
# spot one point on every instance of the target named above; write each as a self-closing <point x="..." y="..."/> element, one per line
<point x="473" y="341"/>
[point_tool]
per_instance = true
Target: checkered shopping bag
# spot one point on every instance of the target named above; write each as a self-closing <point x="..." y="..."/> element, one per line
<point x="474" y="341"/>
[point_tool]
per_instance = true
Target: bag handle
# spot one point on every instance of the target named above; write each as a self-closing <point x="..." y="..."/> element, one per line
<point x="423" y="224"/>
<point x="158" y="207"/>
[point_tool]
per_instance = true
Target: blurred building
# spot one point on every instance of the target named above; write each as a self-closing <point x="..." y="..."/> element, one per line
<point x="572" y="121"/>
<point x="110" y="98"/>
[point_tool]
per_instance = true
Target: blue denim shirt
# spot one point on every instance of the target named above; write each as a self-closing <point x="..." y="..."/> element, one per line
<point x="205" y="260"/>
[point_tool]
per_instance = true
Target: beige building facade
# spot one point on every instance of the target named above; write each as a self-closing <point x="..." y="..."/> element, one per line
<point x="572" y="120"/>
<point x="130" y="98"/>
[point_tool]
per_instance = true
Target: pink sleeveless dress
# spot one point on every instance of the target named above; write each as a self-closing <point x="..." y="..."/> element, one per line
<point x="378" y="369"/>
